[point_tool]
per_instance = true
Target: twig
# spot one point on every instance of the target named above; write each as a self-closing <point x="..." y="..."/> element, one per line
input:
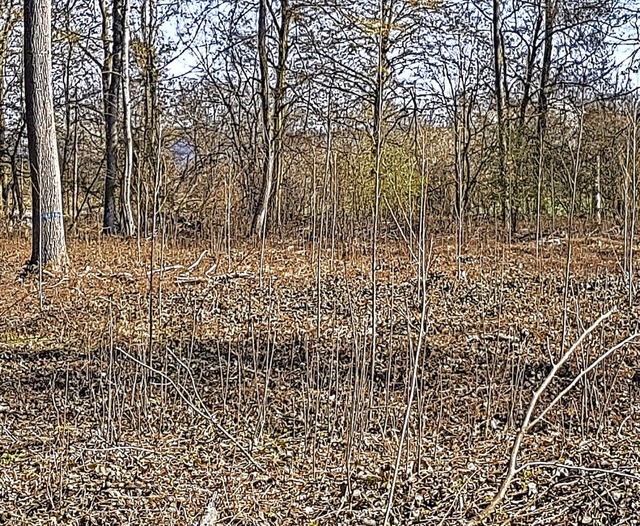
<point x="204" y="413"/>
<point x="184" y="279"/>
<point x="233" y="275"/>
<point x="195" y="265"/>
<point x="456" y="497"/>
<point x="211" y="269"/>
<point x="582" y="374"/>
<point x="527" y="423"/>
<point x="165" y="269"/>
<point x="578" y="468"/>
<point x="407" y="415"/>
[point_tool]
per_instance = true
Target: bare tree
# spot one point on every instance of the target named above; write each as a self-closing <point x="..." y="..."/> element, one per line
<point x="127" y="225"/>
<point x="9" y="17"/>
<point x="272" y="111"/>
<point x="111" y="77"/>
<point x="48" y="242"/>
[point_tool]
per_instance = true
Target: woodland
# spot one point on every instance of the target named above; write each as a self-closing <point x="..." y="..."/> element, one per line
<point x="274" y="262"/>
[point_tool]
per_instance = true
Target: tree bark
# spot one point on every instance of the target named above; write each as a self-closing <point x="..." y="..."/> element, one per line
<point x="498" y="66"/>
<point x="112" y="73"/>
<point x="279" y="98"/>
<point x="127" y="225"/>
<point x="48" y="241"/>
<point x="260" y="218"/>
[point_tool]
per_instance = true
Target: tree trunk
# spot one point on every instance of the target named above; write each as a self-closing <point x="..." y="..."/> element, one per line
<point x="74" y="186"/>
<point x="260" y="218"/>
<point x="543" y="103"/>
<point x="16" y="188"/>
<point x="48" y="243"/>
<point x="498" y="66"/>
<point x="4" y="164"/>
<point x="66" y="82"/>
<point x="111" y="76"/>
<point x="279" y="99"/>
<point x="152" y="132"/>
<point x="5" y="168"/>
<point x="532" y="58"/>
<point x="598" y="194"/>
<point x="126" y="214"/>
<point x="382" y="75"/>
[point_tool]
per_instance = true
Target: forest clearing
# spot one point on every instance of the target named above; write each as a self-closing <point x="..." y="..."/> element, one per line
<point x="111" y="410"/>
<point x="320" y="262"/>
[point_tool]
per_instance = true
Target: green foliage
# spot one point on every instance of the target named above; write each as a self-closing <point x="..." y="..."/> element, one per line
<point x="400" y="181"/>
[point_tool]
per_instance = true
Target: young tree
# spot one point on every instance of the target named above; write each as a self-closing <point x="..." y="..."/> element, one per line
<point x="48" y="243"/>
<point x="260" y="217"/>
<point x="279" y="99"/>
<point x="501" y="105"/>
<point x="111" y="76"/>
<point x="272" y="111"/>
<point x="9" y="17"/>
<point x="543" y="105"/>
<point x="126" y="214"/>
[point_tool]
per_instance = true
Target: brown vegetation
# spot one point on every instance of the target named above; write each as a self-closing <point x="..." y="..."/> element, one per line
<point x="111" y="409"/>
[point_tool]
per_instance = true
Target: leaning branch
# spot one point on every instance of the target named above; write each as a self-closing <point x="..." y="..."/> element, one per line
<point x="529" y="422"/>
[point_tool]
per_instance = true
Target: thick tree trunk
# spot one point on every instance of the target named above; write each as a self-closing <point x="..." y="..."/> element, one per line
<point x="111" y="88"/>
<point x="48" y="245"/>
<point x="260" y="218"/>
<point x="126" y="214"/>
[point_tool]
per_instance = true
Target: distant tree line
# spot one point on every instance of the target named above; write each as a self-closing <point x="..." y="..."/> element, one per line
<point x="236" y="117"/>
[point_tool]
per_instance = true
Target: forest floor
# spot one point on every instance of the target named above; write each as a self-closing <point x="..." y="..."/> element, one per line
<point x="246" y="393"/>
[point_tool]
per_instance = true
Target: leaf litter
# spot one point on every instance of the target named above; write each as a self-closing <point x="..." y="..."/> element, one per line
<point x="89" y="436"/>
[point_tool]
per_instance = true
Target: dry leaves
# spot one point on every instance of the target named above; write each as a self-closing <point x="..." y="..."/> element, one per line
<point x="88" y="436"/>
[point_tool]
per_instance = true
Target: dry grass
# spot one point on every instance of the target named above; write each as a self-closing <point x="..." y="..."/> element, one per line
<point x="88" y="435"/>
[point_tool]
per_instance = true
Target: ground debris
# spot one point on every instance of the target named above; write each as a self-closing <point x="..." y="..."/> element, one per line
<point x="281" y="358"/>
